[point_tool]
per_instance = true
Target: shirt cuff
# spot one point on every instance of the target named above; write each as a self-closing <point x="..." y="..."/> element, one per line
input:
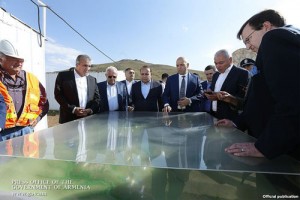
<point x="73" y="111"/>
<point x="190" y="101"/>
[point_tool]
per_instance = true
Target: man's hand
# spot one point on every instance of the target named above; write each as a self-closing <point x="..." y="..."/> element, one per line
<point x="130" y="108"/>
<point x="244" y="149"/>
<point x="224" y="122"/>
<point x="167" y="109"/>
<point x="211" y="95"/>
<point x="183" y="102"/>
<point x="81" y="112"/>
<point x="226" y="97"/>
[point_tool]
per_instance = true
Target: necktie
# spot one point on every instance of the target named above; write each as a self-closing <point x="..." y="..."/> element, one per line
<point x="182" y="88"/>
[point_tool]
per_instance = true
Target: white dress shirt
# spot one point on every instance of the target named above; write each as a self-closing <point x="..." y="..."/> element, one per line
<point x="81" y="84"/>
<point x="219" y="84"/>
<point x="112" y="97"/>
<point x="129" y="86"/>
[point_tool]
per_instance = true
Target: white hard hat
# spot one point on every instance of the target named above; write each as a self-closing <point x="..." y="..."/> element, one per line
<point x="8" y="49"/>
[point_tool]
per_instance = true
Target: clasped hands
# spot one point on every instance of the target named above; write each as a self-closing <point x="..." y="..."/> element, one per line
<point x="221" y="96"/>
<point x="82" y="112"/>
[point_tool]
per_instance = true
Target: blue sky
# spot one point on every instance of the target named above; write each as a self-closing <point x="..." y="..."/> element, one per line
<point x="155" y="31"/>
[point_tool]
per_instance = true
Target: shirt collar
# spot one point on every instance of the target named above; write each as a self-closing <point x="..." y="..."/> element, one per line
<point x="77" y="75"/>
<point x="111" y="85"/>
<point x="227" y="70"/>
<point x="185" y="75"/>
<point x="127" y="82"/>
<point x="146" y="83"/>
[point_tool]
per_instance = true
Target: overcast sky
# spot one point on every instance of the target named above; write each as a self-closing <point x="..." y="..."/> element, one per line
<point x="155" y="31"/>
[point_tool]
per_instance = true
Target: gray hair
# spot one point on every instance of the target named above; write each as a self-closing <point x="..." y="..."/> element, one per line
<point x="111" y="68"/>
<point x="224" y="53"/>
<point x="182" y="58"/>
<point x="82" y="57"/>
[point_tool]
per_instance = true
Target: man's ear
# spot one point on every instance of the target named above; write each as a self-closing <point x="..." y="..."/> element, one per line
<point x="267" y="26"/>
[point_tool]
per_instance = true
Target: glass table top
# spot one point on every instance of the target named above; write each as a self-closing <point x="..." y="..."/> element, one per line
<point x="146" y="139"/>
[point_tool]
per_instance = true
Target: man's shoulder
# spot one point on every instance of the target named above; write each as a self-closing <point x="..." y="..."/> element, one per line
<point x="286" y="33"/>
<point x="91" y="77"/>
<point x="156" y="83"/>
<point x="239" y="69"/>
<point x="65" y="74"/>
<point x="25" y="73"/>
<point x="120" y="83"/>
<point x="102" y="83"/>
<point x="136" y="84"/>
<point x="172" y="77"/>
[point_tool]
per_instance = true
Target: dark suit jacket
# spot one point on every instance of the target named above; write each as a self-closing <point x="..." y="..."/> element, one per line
<point x="152" y="102"/>
<point x="129" y="95"/>
<point x="122" y="96"/>
<point x="66" y="95"/>
<point x="204" y="100"/>
<point x="194" y="91"/>
<point x="271" y="110"/>
<point x="2" y="112"/>
<point x="235" y="84"/>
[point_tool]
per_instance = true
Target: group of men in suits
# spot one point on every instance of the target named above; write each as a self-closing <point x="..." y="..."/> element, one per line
<point x="79" y="94"/>
<point x="267" y="114"/>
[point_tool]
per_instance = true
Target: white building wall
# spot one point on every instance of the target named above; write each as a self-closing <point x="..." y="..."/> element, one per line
<point x="27" y="41"/>
<point x="50" y="83"/>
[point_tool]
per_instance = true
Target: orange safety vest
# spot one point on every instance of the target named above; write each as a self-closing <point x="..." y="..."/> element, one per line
<point x="31" y="108"/>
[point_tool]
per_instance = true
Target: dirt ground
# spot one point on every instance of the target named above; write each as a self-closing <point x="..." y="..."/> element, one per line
<point x="52" y="120"/>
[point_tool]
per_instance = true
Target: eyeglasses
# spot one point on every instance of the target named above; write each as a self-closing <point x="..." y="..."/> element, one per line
<point x="247" y="40"/>
<point x="112" y="76"/>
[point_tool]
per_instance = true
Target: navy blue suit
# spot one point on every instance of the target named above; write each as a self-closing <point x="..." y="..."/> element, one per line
<point x="194" y="91"/>
<point x="2" y="113"/>
<point x="122" y="96"/>
<point x="235" y="84"/>
<point x="205" y="105"/>
<point x="152" y="102"/>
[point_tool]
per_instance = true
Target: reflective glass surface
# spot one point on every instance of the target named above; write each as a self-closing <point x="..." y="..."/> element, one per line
<point x="140" y="155"/>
